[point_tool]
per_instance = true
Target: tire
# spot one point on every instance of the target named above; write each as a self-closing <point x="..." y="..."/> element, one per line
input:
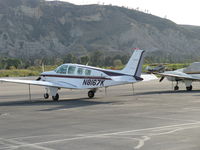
<point x="189" y="88"/>
<point x="91" y="94"/>
<point x="56" y="97"/>
<point x="176" y="88"/>
<point x="46" y="95"/>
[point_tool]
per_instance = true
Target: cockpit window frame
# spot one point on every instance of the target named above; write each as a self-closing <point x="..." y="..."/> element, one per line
<point x="69" y="69"/>
<point x="88" y="72"/>
<point x="78" y="71"/>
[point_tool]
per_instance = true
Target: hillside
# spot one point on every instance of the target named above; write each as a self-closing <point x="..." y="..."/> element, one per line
<point x="32" y="29"/>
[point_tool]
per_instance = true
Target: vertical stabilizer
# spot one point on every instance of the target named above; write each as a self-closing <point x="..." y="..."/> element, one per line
<point x="134" y="65"/>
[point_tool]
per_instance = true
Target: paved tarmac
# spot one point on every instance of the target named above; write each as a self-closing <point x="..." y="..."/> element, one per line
<point x="152" y="118"/>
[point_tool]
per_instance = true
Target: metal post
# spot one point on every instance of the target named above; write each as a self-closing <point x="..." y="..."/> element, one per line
<point x="29" y="92"/>
<point x="106" y="91"/>
<point x="133" y="88"/>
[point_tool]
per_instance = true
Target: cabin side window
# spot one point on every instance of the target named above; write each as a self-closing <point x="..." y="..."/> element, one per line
<point x="62" y="69"/>
<point x="88" y="72"/>
<point x="79" y="71"/>
<point x="71" y="70"/>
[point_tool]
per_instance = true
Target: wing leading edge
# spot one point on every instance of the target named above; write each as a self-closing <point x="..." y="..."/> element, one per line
<point x="179" y="75"/>
<point x="58" y="84"/>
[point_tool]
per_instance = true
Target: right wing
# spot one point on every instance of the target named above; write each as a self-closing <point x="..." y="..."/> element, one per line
<point x="58" y="84"/>
<point x="179" y="75"/>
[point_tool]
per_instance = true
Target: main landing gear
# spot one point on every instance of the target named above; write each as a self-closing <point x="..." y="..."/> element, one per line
<point x="187" y="84"/>
<point x="189" y="88"/>
<point x="176" y="88"/>
<point x="91" y="93"/>
<point x="46" y="95"/>
<point x="56" y="97"/>
<point x="53" y="92"/>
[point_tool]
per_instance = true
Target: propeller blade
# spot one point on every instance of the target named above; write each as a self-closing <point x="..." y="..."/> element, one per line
<point x="38" y="79"/>
<point x="162" y="78"/>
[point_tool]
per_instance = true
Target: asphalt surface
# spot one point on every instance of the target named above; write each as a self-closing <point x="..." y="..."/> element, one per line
<point x="152" y="118"/>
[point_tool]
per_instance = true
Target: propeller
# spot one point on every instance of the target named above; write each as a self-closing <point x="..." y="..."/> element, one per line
<point x="162" y="78"/>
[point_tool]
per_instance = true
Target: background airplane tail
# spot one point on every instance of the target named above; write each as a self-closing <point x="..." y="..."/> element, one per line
<point x="134" y="65"/>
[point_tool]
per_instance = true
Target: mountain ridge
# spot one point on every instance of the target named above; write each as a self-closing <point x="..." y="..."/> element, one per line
<point x="33" y="29"/>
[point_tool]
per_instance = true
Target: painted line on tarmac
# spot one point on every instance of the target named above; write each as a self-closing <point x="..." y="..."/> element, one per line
<point x="106" y="134"/>
<point x="174" y="119"/>
<point x="17" y="143"/>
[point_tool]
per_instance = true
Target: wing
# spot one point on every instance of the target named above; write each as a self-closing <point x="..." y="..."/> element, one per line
<point x="179" y="75"/>
<point x="58" y="84"/>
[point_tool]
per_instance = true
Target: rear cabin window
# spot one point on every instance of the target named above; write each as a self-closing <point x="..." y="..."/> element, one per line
<point x="62" y="69"/>
<point x="71" y="70"/>
<point x="79" y="71"/>
<point x="88" y="72"/>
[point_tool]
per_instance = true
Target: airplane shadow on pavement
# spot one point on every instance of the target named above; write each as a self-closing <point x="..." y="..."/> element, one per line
<point x="162" y="92"/>
<point x="61" y="104"/>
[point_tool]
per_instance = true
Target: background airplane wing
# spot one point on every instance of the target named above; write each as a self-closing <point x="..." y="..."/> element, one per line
<point x="59" y="84"/>
<point x="179" y="75"/>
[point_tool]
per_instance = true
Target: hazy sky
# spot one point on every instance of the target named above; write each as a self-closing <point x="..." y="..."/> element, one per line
<point x="179" y="11"/>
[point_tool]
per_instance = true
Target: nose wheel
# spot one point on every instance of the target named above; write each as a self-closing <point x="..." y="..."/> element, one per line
<point x="91" y="94"/>
<point x="176" y="88"/>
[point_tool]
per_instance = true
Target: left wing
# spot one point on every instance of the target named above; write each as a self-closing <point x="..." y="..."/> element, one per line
<point x="58" y="84"/>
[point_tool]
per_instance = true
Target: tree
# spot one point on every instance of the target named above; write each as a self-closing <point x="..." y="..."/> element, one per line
<point x="84" y="60"/>
<point x="70" y="58"/>
<point x="96" y="58"/>
<point x="108" y="61"/>
<point x="117" y="63"/>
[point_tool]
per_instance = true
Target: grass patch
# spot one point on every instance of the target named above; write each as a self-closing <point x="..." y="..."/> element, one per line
<point x="36" y="70"/>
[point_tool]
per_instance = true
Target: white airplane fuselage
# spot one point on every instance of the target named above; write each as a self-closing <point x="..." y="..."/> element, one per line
<point x="84" y="77"/>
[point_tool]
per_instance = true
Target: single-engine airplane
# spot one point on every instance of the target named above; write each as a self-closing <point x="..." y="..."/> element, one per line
<point x="159" y="69"/>
<point x="75" y="76"/>
<point x="186" y="75"/>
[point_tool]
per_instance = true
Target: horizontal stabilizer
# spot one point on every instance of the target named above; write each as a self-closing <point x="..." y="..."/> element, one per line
<point x="148" y="77"/>
<point x="123" y="79"/>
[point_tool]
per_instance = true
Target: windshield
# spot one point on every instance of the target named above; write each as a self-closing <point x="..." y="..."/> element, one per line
<point x="62" y="69"/>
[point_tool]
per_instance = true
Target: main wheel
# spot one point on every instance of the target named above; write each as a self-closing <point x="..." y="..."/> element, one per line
<point x="189" y="88"/>
<point x="91" y="94"/>
<point x="176" y="88"/>
<point x="56" y="97"/>
<point x="46" y="95"/>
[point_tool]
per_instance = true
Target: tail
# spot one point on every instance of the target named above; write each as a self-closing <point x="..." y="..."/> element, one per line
<point x="134" y="65"/>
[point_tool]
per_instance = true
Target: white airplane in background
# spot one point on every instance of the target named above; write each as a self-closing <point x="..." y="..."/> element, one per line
<point x="186" y="75"/>
<point x="75" y="76"/>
